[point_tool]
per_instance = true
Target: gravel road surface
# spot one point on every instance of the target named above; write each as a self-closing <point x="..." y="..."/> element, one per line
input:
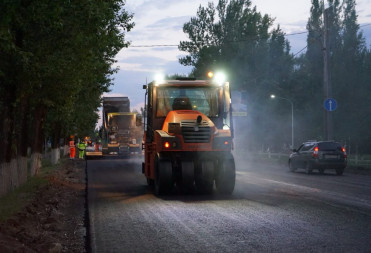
<point x="271" y="210"/>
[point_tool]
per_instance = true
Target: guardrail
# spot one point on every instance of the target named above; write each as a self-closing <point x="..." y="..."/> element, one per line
<point x="353" y="160"/>
<point x="359" y="162"/>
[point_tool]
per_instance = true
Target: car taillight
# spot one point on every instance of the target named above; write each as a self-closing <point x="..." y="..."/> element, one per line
<point x="315" y="152"/>
<point x="344" y="152"/>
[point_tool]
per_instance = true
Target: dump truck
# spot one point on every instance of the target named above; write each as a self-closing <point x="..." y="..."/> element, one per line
<point x="121" y="136"/>
<point x="188" y="136"/>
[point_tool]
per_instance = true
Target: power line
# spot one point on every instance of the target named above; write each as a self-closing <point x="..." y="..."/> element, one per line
<point x="170" y="45"/>
<point x="300" y="50"/>
<point x="155" y="46"/>
<point x="289" y="34"/>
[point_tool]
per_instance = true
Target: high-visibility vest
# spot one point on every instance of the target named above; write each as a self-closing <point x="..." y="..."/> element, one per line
<point x="81" y="146"/>
<point x="72" y="149"/>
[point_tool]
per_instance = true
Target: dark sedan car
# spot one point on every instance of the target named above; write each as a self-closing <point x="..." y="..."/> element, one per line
<point x="319" y="155"/>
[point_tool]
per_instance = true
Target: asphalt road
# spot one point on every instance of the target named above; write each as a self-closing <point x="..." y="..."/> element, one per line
<point x="271" y="210"/>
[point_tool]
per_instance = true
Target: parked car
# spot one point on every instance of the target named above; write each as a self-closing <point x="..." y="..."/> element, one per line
<point x="319" y="155"/>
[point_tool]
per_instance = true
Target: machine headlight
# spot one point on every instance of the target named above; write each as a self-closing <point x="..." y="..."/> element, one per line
<point x="219" y="78"/>
<point x="159" y="78"/>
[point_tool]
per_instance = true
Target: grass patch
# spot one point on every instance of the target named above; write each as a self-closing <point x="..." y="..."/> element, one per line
<point x="16" y="200"/>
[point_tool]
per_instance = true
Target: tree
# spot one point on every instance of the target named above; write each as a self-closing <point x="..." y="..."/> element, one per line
<point x="347" y="72"/>
<point x="55" y="56"/>
<point x="240" y="42"/>
<point x="349" y="86"/>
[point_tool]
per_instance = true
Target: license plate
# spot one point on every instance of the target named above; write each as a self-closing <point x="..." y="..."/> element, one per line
<point x="331" y="156"/>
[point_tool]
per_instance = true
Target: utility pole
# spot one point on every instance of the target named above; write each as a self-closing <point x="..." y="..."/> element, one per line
<point x="327" y="91"/>
<point x="292" y="117"/>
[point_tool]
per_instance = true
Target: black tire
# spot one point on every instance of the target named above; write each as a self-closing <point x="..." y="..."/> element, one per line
<point x="205" y="178"/>
<point x="226" y="176"/>
<point x="163" y="177"/>
<point x="339" y="172"/>
<point x="291" y="167"/>
<point x="188" y="176"/>
<point x="105" y="151"/>
<point x="150" y="182"/>
<point x="308" y="168"/>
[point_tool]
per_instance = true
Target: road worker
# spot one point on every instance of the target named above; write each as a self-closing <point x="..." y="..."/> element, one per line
<point x="81" y="147"/>
<point x="97" y="145"/>
<point x="72" y="147"/>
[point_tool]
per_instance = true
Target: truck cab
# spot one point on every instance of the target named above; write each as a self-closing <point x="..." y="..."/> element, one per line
<point x="120" y="133"/>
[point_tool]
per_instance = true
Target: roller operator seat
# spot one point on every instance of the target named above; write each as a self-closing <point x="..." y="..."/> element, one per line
<point x="182" y="103"/>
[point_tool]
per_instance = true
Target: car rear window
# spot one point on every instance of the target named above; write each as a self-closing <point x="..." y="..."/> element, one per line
<point x="307" y="146"/>
<point x="323" y="146"/>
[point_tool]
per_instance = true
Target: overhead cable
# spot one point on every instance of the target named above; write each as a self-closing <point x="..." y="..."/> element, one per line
<point x="289" y="34"/>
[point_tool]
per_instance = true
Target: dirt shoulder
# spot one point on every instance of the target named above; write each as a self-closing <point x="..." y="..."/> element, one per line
<point x="54" y="220"/>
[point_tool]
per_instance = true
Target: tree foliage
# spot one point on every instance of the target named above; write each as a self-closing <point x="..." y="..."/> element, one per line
<point x="347" y="67"/>
<point x="56" y="61"/>
<point x="235" y="37"/>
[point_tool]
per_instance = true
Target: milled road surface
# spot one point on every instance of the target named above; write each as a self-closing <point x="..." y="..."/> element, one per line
<point x="271" y="210"/>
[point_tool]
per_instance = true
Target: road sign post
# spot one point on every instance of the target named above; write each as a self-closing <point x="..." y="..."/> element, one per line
<point x="330" y="104"/>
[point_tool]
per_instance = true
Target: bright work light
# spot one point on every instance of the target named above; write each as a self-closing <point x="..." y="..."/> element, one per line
<point x="219" y="78"/>
<point x="159" y="78"/>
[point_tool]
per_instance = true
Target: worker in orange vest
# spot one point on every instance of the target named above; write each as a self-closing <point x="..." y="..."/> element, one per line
<point x="72" y="149"/>
<point x="97" y="145"/>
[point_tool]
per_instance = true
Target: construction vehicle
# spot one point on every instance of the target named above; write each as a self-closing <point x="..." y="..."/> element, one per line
<point x="121" y="136"/>
<point x="188" y="136"/>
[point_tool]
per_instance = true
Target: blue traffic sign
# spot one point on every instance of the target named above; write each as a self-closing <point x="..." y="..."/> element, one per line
<point x="330" y="104"/>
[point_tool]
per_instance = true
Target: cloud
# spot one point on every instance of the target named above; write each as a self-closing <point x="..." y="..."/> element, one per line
<point x="148" y="60"/>
<point x="174" y="67"/>
<point x="299" y="24"/>
<point x="166" y="49"/>
<point x="131" y="67"/>
<point x="175" y="23"/>
<point x="131" y="83"/>
<point x="160" y="8"/>
<point x="366" y="30"/>
<point x="160" y="22"/>
<point x="171" y="34"/>
<point x="138" y="106"/>
<point x="142" y="64"/>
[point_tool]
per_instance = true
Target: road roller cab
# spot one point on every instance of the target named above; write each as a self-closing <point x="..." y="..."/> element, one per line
<point x="188" y="136"/>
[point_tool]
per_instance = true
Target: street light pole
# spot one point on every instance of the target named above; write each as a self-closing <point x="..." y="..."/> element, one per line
<point x="292" y="117"/>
